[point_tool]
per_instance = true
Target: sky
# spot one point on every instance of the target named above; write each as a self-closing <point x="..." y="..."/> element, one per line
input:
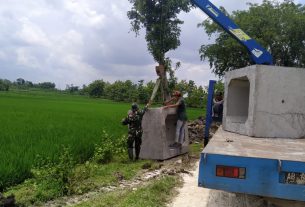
<point x="78" y="41"/>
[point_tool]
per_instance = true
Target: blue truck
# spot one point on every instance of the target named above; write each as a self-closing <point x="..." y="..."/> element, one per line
<point x="241" y="164"/>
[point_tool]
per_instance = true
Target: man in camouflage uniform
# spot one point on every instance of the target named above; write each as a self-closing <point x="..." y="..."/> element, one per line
<point x="134" y="122"/>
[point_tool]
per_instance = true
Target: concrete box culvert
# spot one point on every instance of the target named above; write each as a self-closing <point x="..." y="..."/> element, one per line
<point x="265" y="101"/>
<point x="238" y="99"/>
<point x="159" y="130"/>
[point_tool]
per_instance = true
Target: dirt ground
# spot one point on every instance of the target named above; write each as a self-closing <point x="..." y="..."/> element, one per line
<point x="190" y="195"/>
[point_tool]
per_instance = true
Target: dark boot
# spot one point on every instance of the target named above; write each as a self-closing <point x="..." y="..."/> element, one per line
<point x="130" y="153"/>
<point x="138" y="149"/>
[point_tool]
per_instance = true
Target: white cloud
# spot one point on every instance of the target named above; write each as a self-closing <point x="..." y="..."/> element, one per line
<point x="25" y="58"/>
<point x="201" y="16"/>
<point x="200" y="73"/>
<point x="83" y="14"/>
<point x="117" y="9"/>
<point x="78" y="41"/>
<point x="67" y="43"/>
<point x="32" y="34"/>
<point x="2" y="55"/>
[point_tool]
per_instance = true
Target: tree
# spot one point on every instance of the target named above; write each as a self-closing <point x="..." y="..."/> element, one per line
<point x="96" y="88"/>
<point x="182" y="86"/>
<point x="71" y="88"/>
<point x="46" y="85"/>
<point x="142" y="95"/>
<point x="29" y="84"/>
<point x="279" y="27"/>
<point x="219" y="87"/>
<point x="128" y="91"/>
<point x="20" y="81"/>
<point x="4" y="85"/>
<point x="122" y="91"/>
<point x="191" y="86"/>
<point x="159" y="18"/>
<point x="197" y="97"/>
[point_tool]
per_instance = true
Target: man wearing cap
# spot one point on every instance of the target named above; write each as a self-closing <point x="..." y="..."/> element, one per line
<point x="182" y="117"/>
<point x="134" y="122"/>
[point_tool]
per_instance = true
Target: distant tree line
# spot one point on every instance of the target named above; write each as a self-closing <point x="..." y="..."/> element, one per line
<point x="127" y="91"/>
<point x="20" y="83"/>
<point x="121" y="91"/>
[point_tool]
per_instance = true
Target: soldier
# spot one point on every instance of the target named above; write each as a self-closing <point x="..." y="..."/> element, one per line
<point x="134" y="122"/>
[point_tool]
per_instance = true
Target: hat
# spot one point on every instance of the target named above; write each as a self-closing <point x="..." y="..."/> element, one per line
<point x="134" y="107"/>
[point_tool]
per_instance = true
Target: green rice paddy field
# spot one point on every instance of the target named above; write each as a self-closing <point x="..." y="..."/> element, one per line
<point x="41" y="123"/>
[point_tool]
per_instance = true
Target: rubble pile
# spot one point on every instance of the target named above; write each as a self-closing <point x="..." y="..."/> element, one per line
<point x="196" y="130"/>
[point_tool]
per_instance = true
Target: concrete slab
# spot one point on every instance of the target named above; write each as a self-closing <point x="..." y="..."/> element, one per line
<point x="265" y="101"/>
<point x="159" y="128"/>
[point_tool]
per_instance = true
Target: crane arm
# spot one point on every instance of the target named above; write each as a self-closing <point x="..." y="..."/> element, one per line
<point x="258" y="54"/>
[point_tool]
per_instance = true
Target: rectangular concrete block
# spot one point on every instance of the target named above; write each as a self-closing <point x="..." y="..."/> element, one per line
<point x="159" y="129"/>
<point x="265" y="101"/>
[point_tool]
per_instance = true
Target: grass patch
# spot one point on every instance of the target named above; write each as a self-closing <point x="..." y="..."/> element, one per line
<point x="194" y="113"/>
<point x="155" y="194"/>
<point x="85" y="177"/>
<point x="195" y="149"/>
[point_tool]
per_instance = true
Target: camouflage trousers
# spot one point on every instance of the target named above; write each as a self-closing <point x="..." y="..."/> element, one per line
<point x="135" y="138"/>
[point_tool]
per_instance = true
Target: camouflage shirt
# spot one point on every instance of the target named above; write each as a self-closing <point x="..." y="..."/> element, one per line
<point x="134" y="121"/>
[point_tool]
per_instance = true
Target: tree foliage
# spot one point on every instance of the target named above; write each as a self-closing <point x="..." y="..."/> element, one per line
<point x="4" y="85"/>
<point x="46" y="85"/>
<point x="122" y="91"/>
<point x="279" y="27"/>
<point x="127" y="91"/>
<point x="96" y="88"/>
<point x="195" y="95"/>
<point x="21" y="83"/>
<point x="159" y="18"/>
<point x="71" y="88"/>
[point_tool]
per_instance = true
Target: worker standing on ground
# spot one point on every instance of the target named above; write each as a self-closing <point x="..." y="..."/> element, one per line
<point x="134" y="122"/>
<point x="182" y="118"/>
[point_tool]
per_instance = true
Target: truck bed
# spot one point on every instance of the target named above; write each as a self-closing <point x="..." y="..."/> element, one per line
<point x="227" y="143"/>
<point x="274" y="167"/>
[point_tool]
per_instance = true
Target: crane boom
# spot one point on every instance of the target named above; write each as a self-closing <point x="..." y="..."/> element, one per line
<point x="258" y="54"/>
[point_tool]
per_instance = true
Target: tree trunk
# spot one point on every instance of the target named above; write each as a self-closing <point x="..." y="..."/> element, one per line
<point x="165" y="94"/>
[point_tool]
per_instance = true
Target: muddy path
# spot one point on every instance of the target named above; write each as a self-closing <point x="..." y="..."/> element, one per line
<point x="190" y="195"/>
